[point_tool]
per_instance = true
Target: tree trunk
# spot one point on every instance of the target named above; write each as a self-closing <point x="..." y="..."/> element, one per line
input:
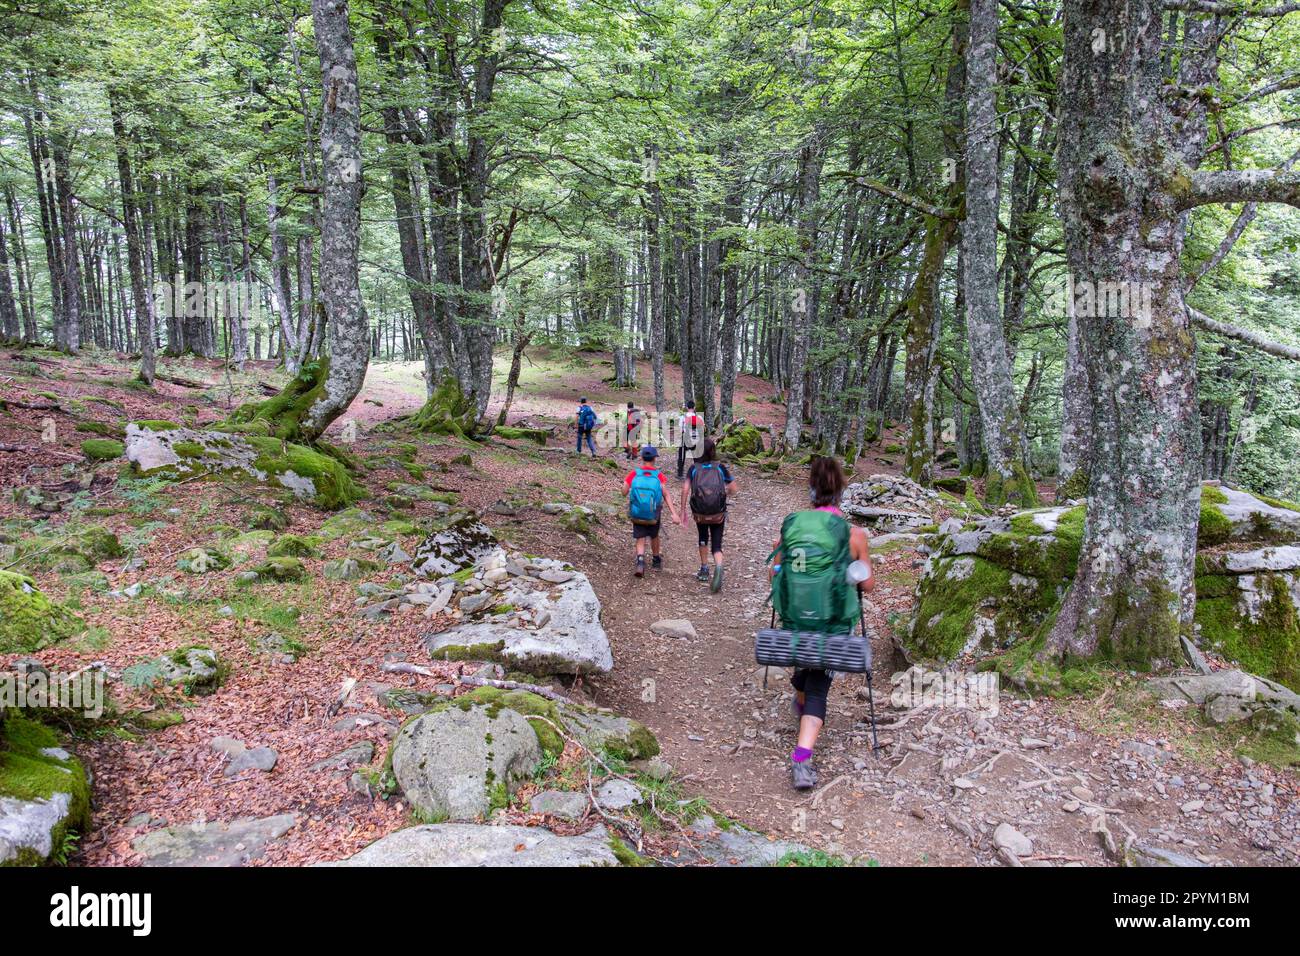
<point x="654" y="267"/>
<point x="141" y="300"/>
<point x="340" y="145"/>
<point x="802" y="300"/>
<point x="1132" y="596"/>
<point x="990" y="364"/>
<point x="281" y="296"/>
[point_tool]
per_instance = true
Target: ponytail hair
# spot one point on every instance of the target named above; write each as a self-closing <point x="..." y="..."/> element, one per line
<point x="826" y="479"/>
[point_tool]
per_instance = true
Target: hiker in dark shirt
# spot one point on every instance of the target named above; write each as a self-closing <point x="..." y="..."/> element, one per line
<point x="585" y="421"/>
<point x="705" y="491"/>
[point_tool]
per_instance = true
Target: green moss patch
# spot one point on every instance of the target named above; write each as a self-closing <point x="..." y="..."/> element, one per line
<point x="283" y="413"/>
<point x="739" y="441"/>
<point x="30" y="621"/>
<point x="294" y="546"/>
<point x="510" y="433"/>
<point x="27" y="772"/>
<point x="1268" y="645"/>
<point x="447" y="412"/>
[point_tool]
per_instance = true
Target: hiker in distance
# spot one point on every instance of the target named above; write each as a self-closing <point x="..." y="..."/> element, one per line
<point x="690" y="429"/>
<point x="632" y="437"/>
<point x="585" y="421"/>
<point x="811" y="592"/>
<point x="646" y="489"/>
<point x="705" y="491"/>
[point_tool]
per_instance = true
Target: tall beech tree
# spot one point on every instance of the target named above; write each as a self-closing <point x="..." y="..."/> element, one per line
<point x="1134" y="137"/>
<point x="340" y="150"/>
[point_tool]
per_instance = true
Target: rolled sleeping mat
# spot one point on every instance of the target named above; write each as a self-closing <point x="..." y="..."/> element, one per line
<point x="848" y="653"/>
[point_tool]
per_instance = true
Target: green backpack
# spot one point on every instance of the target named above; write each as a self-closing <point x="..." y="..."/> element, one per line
<point x="811" y="592"/>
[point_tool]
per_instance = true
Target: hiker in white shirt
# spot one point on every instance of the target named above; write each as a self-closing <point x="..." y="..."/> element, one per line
<point x="690" y="440"/>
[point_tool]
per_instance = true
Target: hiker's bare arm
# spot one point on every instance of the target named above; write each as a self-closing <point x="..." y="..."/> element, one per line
<point x="731" y="488"/>
<point x="860" y="550"/>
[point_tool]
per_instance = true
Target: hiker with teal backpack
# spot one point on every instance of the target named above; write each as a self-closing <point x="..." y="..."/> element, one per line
<point x="705" y="491"/>
<point x="811" y="593"/>
<point x="646" y="489"/>
<point x="585" y="421"/>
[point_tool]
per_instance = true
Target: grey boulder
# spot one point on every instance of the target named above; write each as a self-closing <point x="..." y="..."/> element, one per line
<point x="468" y="844"/>
<point x="460" y="763"/>
<point x="213" y="844"/>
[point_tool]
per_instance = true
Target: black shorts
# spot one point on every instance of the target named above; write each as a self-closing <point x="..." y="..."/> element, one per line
<point x="711" y="536"/>
<point x="645" y="531"/>
<point x="815" y="685"/>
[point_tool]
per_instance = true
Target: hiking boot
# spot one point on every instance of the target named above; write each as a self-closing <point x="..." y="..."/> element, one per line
<point x="640" y="566"/>
<point x="716" y="585"/>
<point x="805" y="777"/>
<point x="702" y="575"/>
<point x="657" y="562"/>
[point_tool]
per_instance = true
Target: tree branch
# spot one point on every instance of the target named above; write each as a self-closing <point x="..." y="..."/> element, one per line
<point x="905" y="198"/>
<point x="1253" y="339"/>
<point x="1223" y="9"/>
<point x="1246" y="185"/>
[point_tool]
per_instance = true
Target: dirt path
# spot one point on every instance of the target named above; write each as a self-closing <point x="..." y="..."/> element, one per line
<point x="945" y="778"/>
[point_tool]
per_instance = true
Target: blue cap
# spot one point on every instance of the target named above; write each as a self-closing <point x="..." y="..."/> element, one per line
<point x="649" y="453"/>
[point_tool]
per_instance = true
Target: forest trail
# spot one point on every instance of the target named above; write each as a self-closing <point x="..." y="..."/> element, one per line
<point x="937" y="793"/>
<point x="944" y="779"/>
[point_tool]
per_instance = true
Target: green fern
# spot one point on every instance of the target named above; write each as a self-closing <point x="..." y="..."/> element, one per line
<point x="142" y="675"/>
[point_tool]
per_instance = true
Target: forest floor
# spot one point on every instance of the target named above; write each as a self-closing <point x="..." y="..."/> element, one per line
<point x="944" y="779"/>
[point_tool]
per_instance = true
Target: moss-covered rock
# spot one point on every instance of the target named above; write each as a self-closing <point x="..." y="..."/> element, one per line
<point x="46" y="796"/>
<point x="266" y="518"/>
<point x="103" y="449"/>
<point x="182" y="453"/>
<point x="30" y="621"/>
<point x="348" y="523"/>
<point x="511" y="433"/>
<point x="349" y="569"/>
<point x="1248" y="610"/>
<point x="598" y="731"/>
<point x="202" y="560"/>
<point x="955" y="486"/>
<point x="990" y="586"/>
<point x="294" y="546"/>
<point x="739" y="440"/>
<point x="281" y="569"/>
<point x="195" y="668"/>
<point x="69" y="550"/>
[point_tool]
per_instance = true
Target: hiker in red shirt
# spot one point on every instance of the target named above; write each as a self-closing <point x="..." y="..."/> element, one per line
<point x="690" y="432"/>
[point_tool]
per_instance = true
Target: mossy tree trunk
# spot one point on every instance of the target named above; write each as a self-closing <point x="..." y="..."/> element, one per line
<point x="1133" y="595"/>
<point x="922" y="304"/>
<point x="990" y="363"/>
<point x="340" y="141"/>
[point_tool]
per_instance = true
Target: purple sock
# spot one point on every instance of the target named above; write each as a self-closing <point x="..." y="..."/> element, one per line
<point x="800" y="754"/>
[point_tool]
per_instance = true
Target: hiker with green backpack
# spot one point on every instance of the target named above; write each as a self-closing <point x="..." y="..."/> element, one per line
<point x="705" y="490"/>
<point x="646" y="489"/>
<point x="811" y="593"/>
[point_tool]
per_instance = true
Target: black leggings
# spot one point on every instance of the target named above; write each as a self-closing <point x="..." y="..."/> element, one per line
<point x="815" y="685"/>
<point x="711" y="533"/>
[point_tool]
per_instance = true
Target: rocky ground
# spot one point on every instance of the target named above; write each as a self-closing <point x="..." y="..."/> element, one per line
<point x="264" y="655"/>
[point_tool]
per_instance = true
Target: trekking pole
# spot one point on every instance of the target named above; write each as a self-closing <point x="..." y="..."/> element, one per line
<point x="765" y="667"/>
<point x="871" y="700"/>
